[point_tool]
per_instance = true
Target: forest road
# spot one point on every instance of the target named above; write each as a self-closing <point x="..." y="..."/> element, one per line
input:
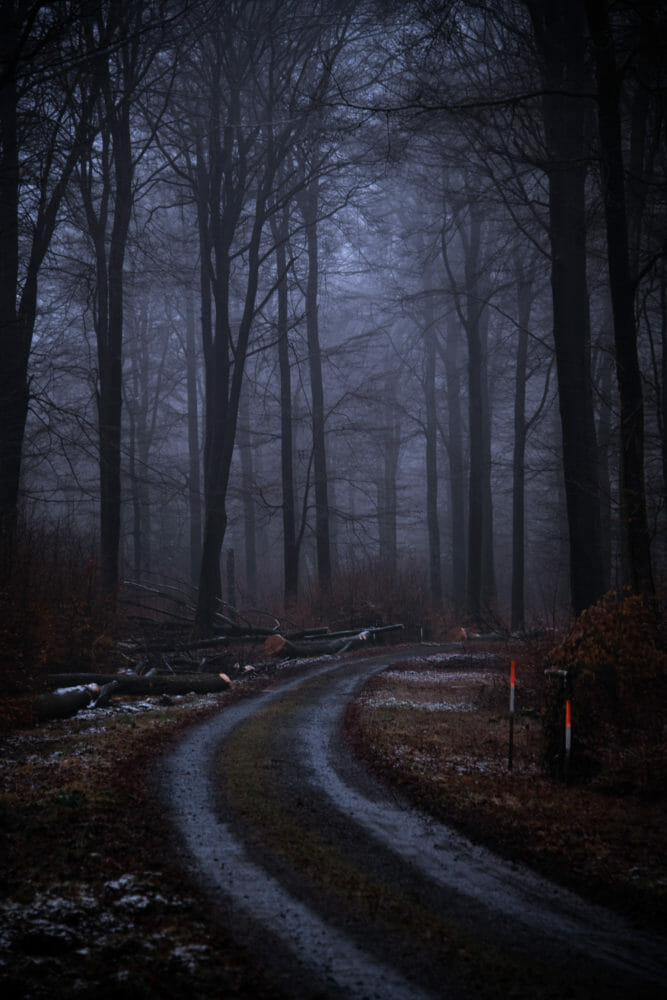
<point x="344" y="890"/>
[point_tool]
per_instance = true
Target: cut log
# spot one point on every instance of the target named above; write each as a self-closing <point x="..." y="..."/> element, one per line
<point x="205" y="683"/>
<point x="173" y="684"/>
<point x="104" y="694"/>
<point x="65" y="703"/>
<point x="72" y="680"/>
<point x="62" y="704"/>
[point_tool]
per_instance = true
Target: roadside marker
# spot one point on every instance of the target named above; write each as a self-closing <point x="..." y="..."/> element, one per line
<point x="511" y="746"/>
<point x="568" y="736"/>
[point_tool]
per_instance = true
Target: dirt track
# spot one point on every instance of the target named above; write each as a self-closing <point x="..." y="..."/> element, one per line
<point x="428" y="914"/>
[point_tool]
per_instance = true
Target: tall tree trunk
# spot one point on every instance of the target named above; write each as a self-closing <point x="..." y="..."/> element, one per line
<point x="480" y="584"/>
<point x="488" y="558"/>
<point x="135" y="486"/>
<point x="560" y="36"/>
<point x="225" y="385"/>
<point x="456" y="467"/>
<point x="518" y="611"/>
<point x="18" y="306"/>
<point x="309" y="205"/>
<point x="194" y="462"/>
<point x="663" y="382"/>
<point x="604" y="383"/>
<point x="637" y="553"/>
<point x="290" y="545"/>
<point x="470" y="300"/>
<point x="110" y="353"/>
<point x="476" y="474"/>
<point x="138" y="433"/>
<point x="387" y="508"/>
<point x="247" y="491"/>
<point x="431" y="430"/>
<point x="13" y="370"/>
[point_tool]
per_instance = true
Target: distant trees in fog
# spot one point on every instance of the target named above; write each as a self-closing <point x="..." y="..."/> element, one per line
<point x="339" y="288"/>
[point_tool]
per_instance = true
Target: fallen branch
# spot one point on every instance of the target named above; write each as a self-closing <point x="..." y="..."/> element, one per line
<point x="335" y="642"/>
<point x="372" y="631"/>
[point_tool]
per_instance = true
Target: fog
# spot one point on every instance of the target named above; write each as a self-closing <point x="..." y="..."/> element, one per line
<point x="299" y="294"/>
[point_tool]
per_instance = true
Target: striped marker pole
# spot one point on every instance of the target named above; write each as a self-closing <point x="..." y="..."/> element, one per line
<point x="511" y="746"/>
<point x="568" y="737"/>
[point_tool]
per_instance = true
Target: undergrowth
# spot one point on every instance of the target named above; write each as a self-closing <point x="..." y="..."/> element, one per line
<point x="454" y="764"/>
<point x="613" y="669"/>
<point x="52" y="618"/>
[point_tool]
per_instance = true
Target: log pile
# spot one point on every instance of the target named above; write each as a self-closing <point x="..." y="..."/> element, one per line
<point x="168" y="659"/>
<point x="330" y="643"/>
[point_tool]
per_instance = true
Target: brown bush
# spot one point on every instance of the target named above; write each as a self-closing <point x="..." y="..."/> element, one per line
<point x="369" y="595"/>
<point x="52" y="617"/>
<point x="616" y="663"/>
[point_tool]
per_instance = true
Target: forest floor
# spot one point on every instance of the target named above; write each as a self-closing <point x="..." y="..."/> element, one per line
<point x="95" y="901"/>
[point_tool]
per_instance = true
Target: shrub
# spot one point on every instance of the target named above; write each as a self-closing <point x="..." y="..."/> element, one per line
<point x="616" y="663"/>
<point x="51" y="615"/>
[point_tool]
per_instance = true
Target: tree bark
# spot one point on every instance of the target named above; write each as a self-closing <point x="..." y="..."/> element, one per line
<point x="518" y="612"/>
<point x="431" y="430"/>
<point x="387" y="506"/>
<point x="559" y="29"/>
<point x="290" y="545"/>
<point x="247" y="491"/>
<point x="456" y="467"/>
<point x="637" y="552"/>
<point x="13" y="370"/>
<point x="308" y="200"/>
<point x="194" y="459"/>
<point x="50" y="174"/>
<point x="480" y="585"/>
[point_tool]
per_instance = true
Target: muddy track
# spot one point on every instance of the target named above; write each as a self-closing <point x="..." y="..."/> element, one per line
<point x="345" y="891"/>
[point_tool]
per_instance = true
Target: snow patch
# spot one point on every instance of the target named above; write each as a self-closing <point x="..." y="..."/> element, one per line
<point x="422" y="706"/>
<point x="433" y="677"/>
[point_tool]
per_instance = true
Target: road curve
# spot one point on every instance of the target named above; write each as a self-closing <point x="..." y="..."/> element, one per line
<point x="474" y="925"/>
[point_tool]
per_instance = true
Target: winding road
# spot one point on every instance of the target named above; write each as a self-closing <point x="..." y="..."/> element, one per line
<point x="345" y="891"/>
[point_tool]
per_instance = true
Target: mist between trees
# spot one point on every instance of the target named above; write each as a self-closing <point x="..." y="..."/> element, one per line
<point x="331" y="288"/>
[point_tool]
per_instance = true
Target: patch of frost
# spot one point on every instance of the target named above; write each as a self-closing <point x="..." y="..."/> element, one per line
<point x="423" y="706"/>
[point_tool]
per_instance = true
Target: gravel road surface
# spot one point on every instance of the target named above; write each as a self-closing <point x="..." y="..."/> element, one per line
<point x="512" y="932"/>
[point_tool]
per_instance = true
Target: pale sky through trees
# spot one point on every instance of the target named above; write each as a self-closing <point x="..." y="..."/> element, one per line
<point x="375" y="219"/>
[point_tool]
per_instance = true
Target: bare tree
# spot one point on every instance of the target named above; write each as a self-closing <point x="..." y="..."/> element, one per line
<point x="40" y="140"/>
<point x="622" y="288"/>
<point x="260" y="70"/>
<point x="560" y="38"/>
<point x="308" y="201"/>
<point x="468" y="287"/>
<point x="280" y="230"/>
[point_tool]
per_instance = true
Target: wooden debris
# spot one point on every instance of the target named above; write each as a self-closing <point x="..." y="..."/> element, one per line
<point x="331" y="644"/>
<point x="63" y="703"/>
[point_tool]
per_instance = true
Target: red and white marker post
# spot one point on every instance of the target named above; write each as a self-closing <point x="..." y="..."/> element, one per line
<point x="511" y="746"/>
<point x="568" y="737"/>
